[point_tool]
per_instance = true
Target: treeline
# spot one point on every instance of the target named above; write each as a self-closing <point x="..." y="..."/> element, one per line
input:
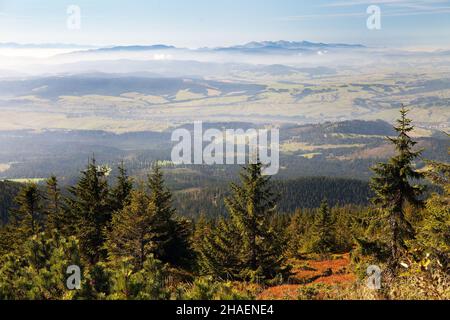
<point x="128" y="241"/>
<point x="293" y="194"/>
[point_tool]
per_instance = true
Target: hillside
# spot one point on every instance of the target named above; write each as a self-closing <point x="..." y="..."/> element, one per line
<point x="335" y="149"/>
<point x="294" y="194"/>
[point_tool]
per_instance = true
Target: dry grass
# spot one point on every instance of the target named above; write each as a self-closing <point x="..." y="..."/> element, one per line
<point x="334" y="271"/>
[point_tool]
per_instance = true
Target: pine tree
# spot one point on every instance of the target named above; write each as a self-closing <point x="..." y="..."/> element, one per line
<point x="251" y="206"/>
<point x="173" y="232"/>
<point x="147" y="283"/>
<point x="90" y="209"/>
<point x="393" y="189"/>
<point x="39" y="272"/>
<point x="134" y="230"/>
<point x="323" y="230"/>
<point x="121" y="192"/>
<point x="433" y="236"/>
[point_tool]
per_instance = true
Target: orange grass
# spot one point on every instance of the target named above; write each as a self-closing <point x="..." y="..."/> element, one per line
<point x="313" y="272"/>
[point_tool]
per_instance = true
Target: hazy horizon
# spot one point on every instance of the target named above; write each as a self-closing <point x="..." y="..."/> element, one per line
<point x="77" y="78"/>
<point x="419" y="23"/>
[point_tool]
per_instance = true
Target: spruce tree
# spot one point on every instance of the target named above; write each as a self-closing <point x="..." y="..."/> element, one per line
<point x="219" y="252"/>
<point x="90" y="209"/>
<point x="323" y="234"/>
<point x="173" y="232"/>
<point x="251" y="206"/>
<point x="393" y="187"/>
<point x="121" y="192"/>
<point x="134" y="231"/>
<point x="296" y="234"/>
<point x="54" y="210"/>
<point x="202" y="227"/>
<point x="28" y="218"/>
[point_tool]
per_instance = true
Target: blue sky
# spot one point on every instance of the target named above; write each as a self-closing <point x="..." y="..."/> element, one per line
<point x="197" y="23"/>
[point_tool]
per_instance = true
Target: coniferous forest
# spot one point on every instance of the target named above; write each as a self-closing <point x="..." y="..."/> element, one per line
<point x="127" y="241"/>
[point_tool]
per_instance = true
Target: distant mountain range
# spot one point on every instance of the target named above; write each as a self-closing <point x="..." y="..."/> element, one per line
<point x="135" y="48"/>
<point x="272" y="47"/>
<point x="249" y="48"/>
<point x="290" y="45"/>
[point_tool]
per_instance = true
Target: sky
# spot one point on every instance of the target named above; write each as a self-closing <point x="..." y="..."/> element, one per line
<point x="200" y="23"/>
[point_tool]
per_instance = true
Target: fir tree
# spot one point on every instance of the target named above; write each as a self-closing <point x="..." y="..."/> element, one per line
<point x="393" y="189"/>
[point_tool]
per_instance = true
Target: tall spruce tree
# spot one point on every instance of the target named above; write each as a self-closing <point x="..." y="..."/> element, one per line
<point x="54" y="210"/>
<point x="28" y="218"/>
<point x="90" y="209"/>
<point x="121" y="192"/>
<point x="251" y="206"/>
<point x="173" y="232"/>
<point x="323" y="230"/>
<point x="394" y="188"/>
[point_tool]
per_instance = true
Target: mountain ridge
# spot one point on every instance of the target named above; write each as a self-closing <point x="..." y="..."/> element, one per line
<point x="248" y="48"/>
